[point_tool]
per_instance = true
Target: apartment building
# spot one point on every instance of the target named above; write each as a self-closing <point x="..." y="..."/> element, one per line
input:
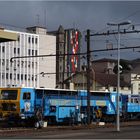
<point x="27" y="71"/>
<point x="68" y="41"/>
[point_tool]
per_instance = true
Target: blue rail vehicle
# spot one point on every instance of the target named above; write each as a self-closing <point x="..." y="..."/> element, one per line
<point x="34" y="105"/>
<point x="131" y="106"/>
<point x="58" y="105"/>
<point x="102" y="105"/>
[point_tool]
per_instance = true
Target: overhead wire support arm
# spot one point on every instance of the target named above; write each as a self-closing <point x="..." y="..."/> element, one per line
<point x="122" y="48"/>
<point x="112" y="33"/>
<point x="49" y="55"/>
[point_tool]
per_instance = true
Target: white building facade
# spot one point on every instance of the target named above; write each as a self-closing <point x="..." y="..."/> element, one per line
<point x="135" y="83"/>
<point x="26" y="71"/>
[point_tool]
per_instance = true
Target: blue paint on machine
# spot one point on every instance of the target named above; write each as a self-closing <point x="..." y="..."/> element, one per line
<point x="35" y="105"/>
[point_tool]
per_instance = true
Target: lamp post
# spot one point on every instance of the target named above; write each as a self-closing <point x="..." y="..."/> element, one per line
<point x="118" y="68"/>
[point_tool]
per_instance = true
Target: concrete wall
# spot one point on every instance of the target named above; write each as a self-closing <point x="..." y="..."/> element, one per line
<point x="47" y="64"/>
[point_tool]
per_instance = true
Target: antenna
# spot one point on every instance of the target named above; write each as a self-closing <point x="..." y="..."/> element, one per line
<point x="45" y="17"/>
<point x="38" y="18"/>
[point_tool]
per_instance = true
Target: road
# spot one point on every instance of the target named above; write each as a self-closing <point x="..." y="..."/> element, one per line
<point x="102" y="132"/>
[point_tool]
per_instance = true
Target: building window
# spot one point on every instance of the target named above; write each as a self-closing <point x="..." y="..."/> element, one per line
<point x="21" y="76"/>
<point x="36" y="40"/>
<point x="3" y="49"/>
<point x="7" y="64"/>
<point x="18" y="76"/>
<point x="25" y="77"/>
<point x="29" y="64"/>
<point x="14" y="64"/>
<point x="10" y="75"/>
<point x="32" y="52"/>
<point x="18" y="50"/>
<point x="32" y="78"/>
<point x="36" y="78"/>
<point x="18" y="63"/>
<point x="32" y="40"/>
<point x="29" y="39"/>
<point x="29" y="51"/>
<point x="14" y="50"/>
<point x="22" y="63"/>
<point x="35" y="52"/>
<point x="6" y="75"/>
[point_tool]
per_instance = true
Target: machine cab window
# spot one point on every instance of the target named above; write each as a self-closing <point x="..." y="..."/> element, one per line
<point x="26" y="96"/>
<point x="8" y="94"/>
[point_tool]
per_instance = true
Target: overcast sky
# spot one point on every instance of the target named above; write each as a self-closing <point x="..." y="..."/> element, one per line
<point x="93" y="15"/>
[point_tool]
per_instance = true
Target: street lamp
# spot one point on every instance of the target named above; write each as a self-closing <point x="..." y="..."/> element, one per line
<point x="118" y="72"/>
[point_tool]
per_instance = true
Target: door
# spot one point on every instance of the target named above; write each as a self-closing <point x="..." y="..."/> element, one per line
<point x="27" y="101"/>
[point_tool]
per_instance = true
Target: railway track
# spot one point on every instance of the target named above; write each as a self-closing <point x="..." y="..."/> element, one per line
<point x="74" y="127"/>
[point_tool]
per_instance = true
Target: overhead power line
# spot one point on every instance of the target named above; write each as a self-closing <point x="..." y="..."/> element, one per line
<point x="52" y="55"/>
<point x="112" y="33"/>
<point x="99" y="50"/>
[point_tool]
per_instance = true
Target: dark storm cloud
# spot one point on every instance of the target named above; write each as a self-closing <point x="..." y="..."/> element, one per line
<point x="83" y="15"/>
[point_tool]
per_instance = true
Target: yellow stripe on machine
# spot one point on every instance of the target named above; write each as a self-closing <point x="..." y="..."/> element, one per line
<point x="100" y="103"/>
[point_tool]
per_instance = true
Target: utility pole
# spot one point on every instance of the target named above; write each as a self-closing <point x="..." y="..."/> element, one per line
<point x="118" y="71"/>
<point x="88" y="76"/>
